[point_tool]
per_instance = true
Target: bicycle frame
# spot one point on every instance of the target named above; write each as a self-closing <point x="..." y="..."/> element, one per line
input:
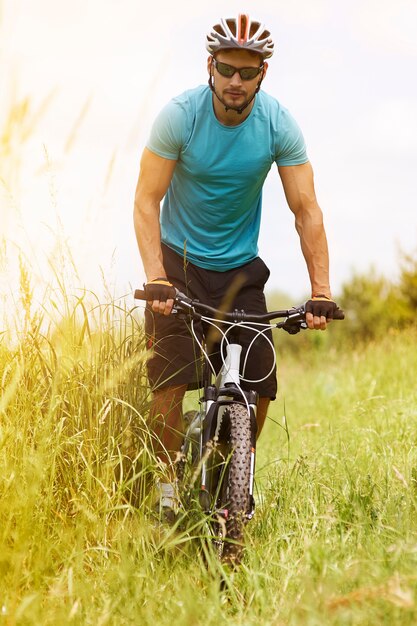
<point x="230" y="371"/>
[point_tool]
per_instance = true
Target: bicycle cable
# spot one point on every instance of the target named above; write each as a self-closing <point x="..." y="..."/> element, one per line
<point x="200" y="344"/>
<point x="266" y="327"/>
<point x="212" y="322"/>
<point x="261" y="332"/>
<point x="274" y="360"/>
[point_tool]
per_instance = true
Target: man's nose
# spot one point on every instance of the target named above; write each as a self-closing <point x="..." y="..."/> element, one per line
<point x="236" y="79"/>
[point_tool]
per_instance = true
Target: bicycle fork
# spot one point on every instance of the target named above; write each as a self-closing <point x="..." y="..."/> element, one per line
<point x="210" y="436"/>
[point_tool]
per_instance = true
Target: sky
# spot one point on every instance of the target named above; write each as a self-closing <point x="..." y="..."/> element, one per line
<point x="94" y="74"/>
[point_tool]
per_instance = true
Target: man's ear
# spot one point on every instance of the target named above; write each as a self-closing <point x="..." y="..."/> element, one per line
<point x="264" y="70"/>
<point x="209" y="64"/>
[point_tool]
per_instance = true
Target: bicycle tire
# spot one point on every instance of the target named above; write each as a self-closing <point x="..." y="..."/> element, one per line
<point x="234" y="494"/>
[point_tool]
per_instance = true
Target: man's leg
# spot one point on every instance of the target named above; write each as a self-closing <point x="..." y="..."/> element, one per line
<point x="263" y="405"/>
<point x="166" y="422"/>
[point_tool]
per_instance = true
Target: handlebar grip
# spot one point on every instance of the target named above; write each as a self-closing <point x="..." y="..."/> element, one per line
<point x="139" y="294"/>
<point x="339" y="314"/>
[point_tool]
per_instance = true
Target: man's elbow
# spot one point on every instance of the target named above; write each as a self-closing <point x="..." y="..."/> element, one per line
<point x="310" y="209"/>
<point x="308" y="215"/>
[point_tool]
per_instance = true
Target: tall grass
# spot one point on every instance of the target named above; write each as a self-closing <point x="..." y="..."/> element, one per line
<point x="334" y="537"/>
<point x="73" y="440"/>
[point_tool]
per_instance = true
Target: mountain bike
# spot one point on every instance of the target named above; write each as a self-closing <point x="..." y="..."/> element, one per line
<point x="216" y="465"/>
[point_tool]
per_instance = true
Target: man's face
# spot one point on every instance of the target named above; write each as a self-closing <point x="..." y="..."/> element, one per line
<point x="234" y="90"/>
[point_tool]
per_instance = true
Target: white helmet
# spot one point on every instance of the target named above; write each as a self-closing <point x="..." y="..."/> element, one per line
<point x="241" y="32"/>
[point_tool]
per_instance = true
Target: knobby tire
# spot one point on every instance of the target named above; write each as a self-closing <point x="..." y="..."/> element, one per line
<point x="235" y="497"/>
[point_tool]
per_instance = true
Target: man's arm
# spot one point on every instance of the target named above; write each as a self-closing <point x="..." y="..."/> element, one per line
<point x="154" y="179"/>
<point x="298" y="183"/>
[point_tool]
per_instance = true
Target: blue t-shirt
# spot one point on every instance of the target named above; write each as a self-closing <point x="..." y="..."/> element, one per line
<point x="212" y="209"/>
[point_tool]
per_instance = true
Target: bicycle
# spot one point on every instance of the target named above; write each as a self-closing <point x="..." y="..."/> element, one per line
<point x="217" y="458"/>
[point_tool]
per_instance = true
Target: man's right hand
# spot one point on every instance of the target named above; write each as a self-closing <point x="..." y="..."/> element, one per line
<point x="160" y="294"/>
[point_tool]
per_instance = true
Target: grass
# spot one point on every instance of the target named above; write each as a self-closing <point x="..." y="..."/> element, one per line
<point x="334" y="538"/>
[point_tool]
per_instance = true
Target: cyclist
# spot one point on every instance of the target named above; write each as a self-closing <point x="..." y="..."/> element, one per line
<point x="208" y="155"/>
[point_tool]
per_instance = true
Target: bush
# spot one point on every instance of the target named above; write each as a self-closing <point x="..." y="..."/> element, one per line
<point x="408" y="280"/>
<point x="373" y="306"/>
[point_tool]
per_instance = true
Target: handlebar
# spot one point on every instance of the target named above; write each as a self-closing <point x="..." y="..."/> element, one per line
<point x="293" y="322"/>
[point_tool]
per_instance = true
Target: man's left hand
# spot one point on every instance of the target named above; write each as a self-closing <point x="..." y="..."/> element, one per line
<point x="319" y="311"/>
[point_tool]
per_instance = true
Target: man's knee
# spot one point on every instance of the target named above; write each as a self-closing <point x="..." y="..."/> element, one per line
<point x="168" y="399"/>
<point x="263" y="405"/>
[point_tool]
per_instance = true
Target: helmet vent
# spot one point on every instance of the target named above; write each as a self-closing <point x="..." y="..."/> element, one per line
<point x="220" y="30"/>
<point x="243" y="34"/>
<point x="232" y="26"/>
<point x="264" y="35"/>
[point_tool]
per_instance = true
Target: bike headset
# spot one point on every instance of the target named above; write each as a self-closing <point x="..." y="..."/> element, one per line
<point x="241" y="33"/>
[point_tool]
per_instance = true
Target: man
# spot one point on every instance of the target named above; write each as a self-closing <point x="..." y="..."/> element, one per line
<point x="208" y="155"/>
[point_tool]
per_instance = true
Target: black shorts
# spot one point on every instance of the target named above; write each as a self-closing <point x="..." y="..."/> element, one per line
<point x="176" y="358"/>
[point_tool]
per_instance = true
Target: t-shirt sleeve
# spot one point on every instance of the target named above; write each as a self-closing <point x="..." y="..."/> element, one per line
<point x="290" y="145"/>
<point x="167" y="134"/>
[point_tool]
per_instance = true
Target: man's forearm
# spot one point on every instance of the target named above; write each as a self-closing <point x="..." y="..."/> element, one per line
<point x="148" y="236"/>
<point x="309" y="225"/>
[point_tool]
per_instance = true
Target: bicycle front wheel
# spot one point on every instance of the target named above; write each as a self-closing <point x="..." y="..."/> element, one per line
<point x="235" y="499"/>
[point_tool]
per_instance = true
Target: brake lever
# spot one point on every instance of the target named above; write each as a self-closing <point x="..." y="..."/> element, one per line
<point x="183" y="305"/>
<point x="295" y="322"/>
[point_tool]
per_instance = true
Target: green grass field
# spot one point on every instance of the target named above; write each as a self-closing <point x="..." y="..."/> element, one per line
<point x="334" y="537"/>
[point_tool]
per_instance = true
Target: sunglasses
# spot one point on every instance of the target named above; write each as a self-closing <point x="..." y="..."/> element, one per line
<point x="245" y="73"/>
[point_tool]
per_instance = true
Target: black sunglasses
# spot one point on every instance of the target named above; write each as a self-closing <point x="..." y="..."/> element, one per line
<point x="245" y="73"/>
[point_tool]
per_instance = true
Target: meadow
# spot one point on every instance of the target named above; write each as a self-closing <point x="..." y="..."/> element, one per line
<point x="334" y="537"/>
